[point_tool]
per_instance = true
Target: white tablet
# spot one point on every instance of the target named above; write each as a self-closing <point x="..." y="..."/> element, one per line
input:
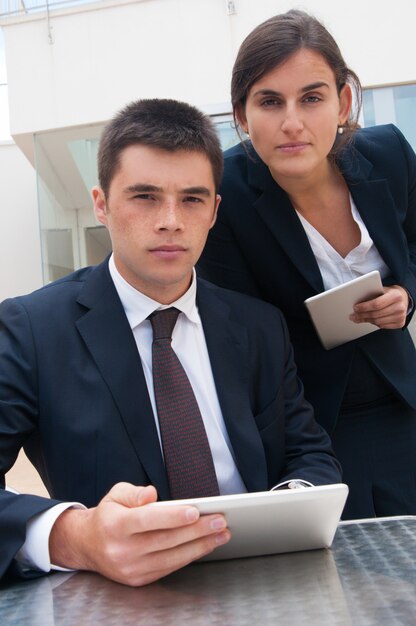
<point x="271" y="522"/>
<point x="330" y="310"/>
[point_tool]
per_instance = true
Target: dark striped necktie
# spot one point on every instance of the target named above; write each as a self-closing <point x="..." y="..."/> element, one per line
<point x="188" y="460"/>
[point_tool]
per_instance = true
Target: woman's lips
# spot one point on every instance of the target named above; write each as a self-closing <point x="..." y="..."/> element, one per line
<point x="293" y="147"/>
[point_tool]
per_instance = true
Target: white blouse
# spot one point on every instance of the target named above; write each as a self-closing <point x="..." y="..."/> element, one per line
<point x="336" y="269"/>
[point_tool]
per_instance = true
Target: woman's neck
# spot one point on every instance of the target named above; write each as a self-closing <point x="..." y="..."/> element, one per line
<point x="315" y="192"/>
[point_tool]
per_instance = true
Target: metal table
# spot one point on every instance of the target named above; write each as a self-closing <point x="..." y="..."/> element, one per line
<point x="368" y="577"/>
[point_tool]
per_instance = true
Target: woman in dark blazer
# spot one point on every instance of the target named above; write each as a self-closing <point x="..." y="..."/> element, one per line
<point x="310" y="202"/>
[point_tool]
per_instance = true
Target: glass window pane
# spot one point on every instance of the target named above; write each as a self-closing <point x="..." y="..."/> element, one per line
<point x="405" y="108"/>
<point x="368" y="108"/>
<point x="227" y="133"/>
<point x="59" y="249"/>
<point x="392" y="105"/>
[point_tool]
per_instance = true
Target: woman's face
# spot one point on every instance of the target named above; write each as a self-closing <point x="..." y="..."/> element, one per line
<point x="292" y="114"/>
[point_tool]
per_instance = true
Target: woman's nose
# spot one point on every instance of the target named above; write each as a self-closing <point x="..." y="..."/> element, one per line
<point x="292" y="121"/>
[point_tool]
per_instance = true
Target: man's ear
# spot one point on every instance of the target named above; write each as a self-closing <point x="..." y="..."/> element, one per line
<point x="100" y="205"/>
<point x="217" y="203"/>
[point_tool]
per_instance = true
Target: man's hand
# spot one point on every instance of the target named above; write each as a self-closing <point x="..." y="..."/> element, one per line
<point x="129" y="542"/>
<point x="386" y="311"/>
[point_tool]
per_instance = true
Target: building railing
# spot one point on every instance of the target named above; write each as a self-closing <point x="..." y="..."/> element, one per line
<point x="26" y="7"/>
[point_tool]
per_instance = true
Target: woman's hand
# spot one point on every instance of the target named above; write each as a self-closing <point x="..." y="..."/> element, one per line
<point x="386" y="311"/>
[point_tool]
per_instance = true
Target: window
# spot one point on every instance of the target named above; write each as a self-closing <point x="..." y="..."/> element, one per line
<point x="392" y="105"/>
<point x="226" y="131"/>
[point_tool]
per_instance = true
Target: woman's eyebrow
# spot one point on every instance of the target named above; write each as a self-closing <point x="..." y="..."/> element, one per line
<point x="273" y="92"/>
<point x="312" y="86"/>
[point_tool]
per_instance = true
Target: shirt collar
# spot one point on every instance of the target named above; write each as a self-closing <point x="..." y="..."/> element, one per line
<point x="138" y="307"/>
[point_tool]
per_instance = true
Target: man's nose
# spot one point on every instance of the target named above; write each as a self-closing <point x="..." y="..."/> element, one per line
<point x="170" y="217"/>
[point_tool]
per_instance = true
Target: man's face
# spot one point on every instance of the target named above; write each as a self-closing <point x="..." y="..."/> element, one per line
<point x="159" y="209"/>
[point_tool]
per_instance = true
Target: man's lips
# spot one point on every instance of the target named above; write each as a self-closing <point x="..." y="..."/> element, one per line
<point x="168" y="251"/>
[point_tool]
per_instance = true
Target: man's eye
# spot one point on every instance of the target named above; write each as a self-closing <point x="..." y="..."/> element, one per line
<point x="192" y="199"/>
<point x="143" y="196"/>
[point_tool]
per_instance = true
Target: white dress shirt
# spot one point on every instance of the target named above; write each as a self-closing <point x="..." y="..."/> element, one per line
<point x="334" y="268"/>
<point x="188" y="341"/>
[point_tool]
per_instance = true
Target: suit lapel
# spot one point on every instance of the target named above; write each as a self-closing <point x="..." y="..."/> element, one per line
<point x="228" y="351"/>
<point x="377" y="209"/>
<point x="107" y="335"/>
<point x="276" y="210"/>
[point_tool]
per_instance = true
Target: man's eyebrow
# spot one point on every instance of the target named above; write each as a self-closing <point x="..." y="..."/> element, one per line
<point x="196" y="191"/>
<point x="142" y="188"/>
<point x="147" y="188"/>
<point x="272" y="92"/>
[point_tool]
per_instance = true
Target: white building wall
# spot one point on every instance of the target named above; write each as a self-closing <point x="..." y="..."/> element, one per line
<point x="20" y="261"/>
<point x="91" y="60"/>
<point x="112" y="52"/>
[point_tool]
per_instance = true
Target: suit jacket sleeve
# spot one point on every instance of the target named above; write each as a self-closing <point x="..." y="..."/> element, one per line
<point x="18" y="416"/>
<point x="308" y="451"/>
<point x="409" y="224"/>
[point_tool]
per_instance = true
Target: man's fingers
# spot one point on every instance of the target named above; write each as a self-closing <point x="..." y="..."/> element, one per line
<point x="163" y="563"/>
<point x="162" y="539"/>
<point x="147" y="542"/>
<point x="130" y="495"/>
<point x="138" y="517"/>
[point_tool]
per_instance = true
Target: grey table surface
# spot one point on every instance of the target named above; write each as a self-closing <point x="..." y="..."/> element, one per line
<point x="367" y="577"/>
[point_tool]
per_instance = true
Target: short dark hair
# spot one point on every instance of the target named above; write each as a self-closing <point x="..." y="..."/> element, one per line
<point x="272" y="43"/>
<point x="160" y="123"/>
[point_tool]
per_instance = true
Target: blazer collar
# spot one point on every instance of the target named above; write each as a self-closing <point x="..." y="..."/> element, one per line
<point x="107" y="334"/>
<point x="276" y="210"/>
<point x="227" y="344"/>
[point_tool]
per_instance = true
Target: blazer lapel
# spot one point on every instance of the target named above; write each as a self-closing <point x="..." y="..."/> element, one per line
<point x="377" y="209"/>
<point x="227" y="347"/>
<point x="108" y="336"/>
<point x="276" y="210"/>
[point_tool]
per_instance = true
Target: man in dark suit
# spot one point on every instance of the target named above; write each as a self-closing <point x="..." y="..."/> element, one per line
<point x="76" y="387"/>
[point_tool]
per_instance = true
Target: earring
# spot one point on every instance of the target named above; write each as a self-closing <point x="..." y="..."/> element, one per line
<point x="340" y="130"/>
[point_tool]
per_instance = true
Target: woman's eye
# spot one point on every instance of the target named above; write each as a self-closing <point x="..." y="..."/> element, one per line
<point x="312" y="99"/>
<point x="270" y="102"/>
